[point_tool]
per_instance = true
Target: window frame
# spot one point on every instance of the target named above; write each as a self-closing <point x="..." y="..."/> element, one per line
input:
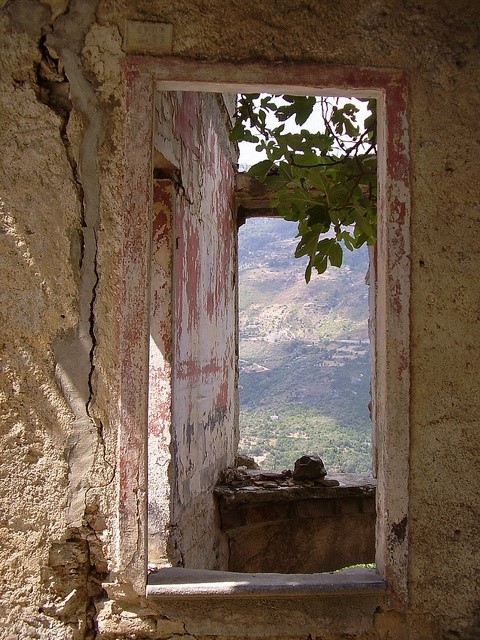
<point x="390" y="286"/>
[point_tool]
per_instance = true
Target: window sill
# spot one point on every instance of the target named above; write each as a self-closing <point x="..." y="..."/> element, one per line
<point x="213" y="603"/>
<point x="298" y="527"/>
<point x="196" y="583"/>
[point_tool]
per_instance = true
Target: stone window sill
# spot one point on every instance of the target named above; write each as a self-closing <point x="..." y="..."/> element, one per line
<point x="218" y="603"/>
<point x="181" y="584"/>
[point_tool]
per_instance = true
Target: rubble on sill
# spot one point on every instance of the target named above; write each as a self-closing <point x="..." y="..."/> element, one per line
<point x="238" y="485"/>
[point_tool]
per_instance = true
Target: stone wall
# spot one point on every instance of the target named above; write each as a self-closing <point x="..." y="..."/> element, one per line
<point x="296" y="528"/>
<point x="65" y="243"/>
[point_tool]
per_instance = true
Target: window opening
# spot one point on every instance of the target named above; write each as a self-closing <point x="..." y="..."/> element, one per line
<point x="304" y="367"/>
<point x="295" y="340"/>
<point x="192" y="421"/>
<point x="391" y="281"/>
<point x="304" y="354"/>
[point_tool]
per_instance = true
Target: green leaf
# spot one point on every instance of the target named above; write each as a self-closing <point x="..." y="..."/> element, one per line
<point x="351" y="129"/>
<point x="307" y="244"/>
<point x="304" y="107"/>
<point x="285" y="112"/>
<point x="237" y="132"/>
<point x="320" y="264"/>
<point x="317" y="178"/>
<point x="249" y="137"/>
<point x="335" y="255"/>
<point x="260" y="169"/>
<point x="347" y="240"/>
<point x="307" y="158"/>
<point x="308" y="272"/>
<point x="318" y="214"/>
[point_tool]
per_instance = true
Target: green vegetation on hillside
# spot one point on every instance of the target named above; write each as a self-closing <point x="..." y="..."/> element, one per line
<point x="304" y="355"/>
<point x="277" y="440"/>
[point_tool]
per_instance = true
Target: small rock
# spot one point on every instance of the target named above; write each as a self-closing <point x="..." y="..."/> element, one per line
<point x="330" y="483"/>
<point x="309" y="467"/>
<point x="245" y="461"/>
<point x="272" y="475"/>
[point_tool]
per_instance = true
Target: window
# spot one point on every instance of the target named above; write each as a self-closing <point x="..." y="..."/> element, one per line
<point x="391" y="289"/>
<point x="304" y="370"/>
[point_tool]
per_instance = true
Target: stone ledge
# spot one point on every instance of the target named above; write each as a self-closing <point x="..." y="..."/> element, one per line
<point x="197" y="583"/>
<point x="251" y="505"/>
<point x="349" y="485"/>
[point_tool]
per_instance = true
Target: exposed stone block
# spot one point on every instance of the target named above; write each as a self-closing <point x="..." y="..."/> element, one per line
<point x="112" y="623"/>
<point x="347" y="506"/>
<point x="148" y="37"/>
<point x="315" y="508"/>
<point x="299" y="528"/>
<point x="271" y="511"/>
<point x="368" y="505"/>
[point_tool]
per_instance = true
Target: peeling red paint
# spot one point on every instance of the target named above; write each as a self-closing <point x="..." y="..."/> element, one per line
<point x="210" y="305"/>
<point x="162" y="195"/>
<point x="185" y="122"/>
<point x="160" y="369"/>
<point x="192" y="368"/>
<point x="397" y="297"/>
<point x="222" y="398"/>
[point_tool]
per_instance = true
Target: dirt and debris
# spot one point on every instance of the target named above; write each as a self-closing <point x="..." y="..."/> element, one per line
<point x="309" y="471"/>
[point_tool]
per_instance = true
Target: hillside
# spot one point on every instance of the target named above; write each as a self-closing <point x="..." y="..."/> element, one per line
<point x="304" y="354"/>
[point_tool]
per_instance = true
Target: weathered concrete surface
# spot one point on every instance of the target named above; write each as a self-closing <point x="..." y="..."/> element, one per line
<point x="62" y="171"/>
<point x="275" y="605"/>
<point x="199" y="583"/>
<point x="52" y="434"/>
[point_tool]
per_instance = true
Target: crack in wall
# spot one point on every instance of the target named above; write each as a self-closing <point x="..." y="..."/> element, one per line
<point x="63" y="86"/>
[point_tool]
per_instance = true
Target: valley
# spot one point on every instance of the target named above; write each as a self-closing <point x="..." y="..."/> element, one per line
<point x="304" y="364"/>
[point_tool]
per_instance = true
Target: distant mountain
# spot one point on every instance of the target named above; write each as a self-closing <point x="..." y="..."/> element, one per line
<point x="304" y="354"/>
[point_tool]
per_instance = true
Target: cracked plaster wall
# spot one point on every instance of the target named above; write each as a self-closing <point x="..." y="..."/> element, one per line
<point x="61" y="167"/>
<point x="57" y="463"/>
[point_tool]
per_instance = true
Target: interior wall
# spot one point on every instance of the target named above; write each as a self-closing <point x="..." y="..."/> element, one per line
<point x="160" y="369"/>
<point x="62" y="108"/>
<point x="191" y="134"/>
